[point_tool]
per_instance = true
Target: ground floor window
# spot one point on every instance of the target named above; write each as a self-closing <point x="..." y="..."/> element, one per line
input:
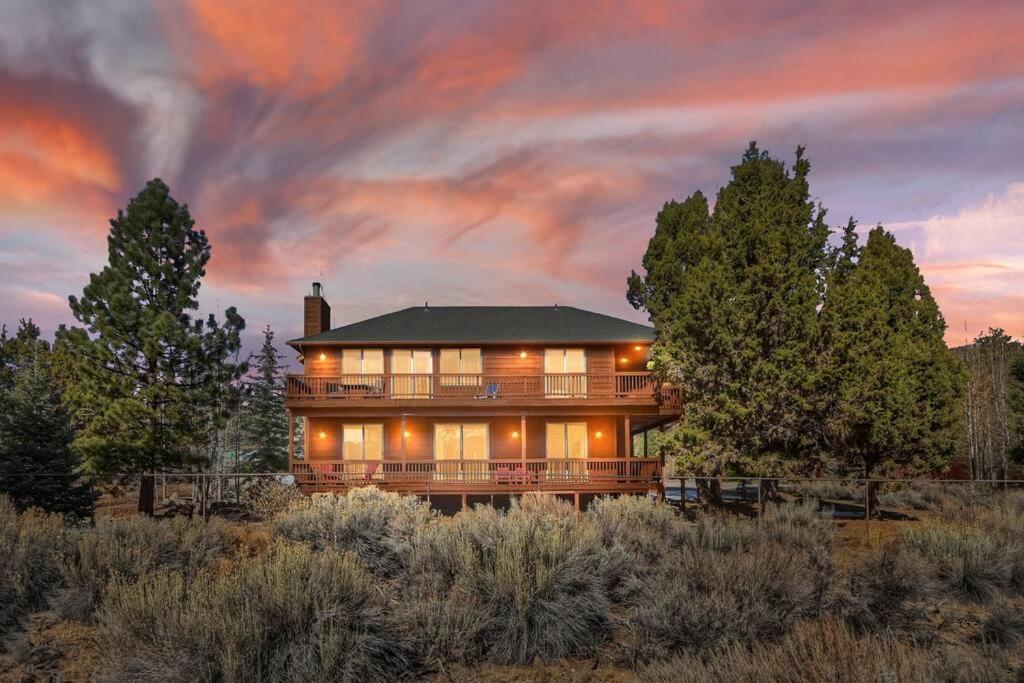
<point x="361" y="442"/>
<point x="566" y="449"/>
<point x="459" y="449"/>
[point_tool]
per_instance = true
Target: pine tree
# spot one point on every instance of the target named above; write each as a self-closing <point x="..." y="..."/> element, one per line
<point x="733" y="296"/>
<point x="146" y="371"/>
<point x="264" y="420"/>
<point x="896" y="387"/>
<point x="38" y="467"/>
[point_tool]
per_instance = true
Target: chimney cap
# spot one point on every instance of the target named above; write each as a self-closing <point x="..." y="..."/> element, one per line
<point x="316" y="289"/>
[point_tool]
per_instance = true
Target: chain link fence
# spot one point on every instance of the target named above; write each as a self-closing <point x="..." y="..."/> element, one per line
<point x="226" y="494"/>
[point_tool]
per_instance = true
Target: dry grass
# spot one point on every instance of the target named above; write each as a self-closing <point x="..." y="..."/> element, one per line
<point x="829" y="651"/>
<point x="32" y="546"/>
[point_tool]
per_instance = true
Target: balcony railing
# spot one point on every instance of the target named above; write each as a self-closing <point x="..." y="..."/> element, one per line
<point x="638" y="385"/>
<point x="529" y="473"/>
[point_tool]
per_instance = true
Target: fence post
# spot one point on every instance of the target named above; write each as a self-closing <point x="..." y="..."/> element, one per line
<point x="867" y="510"/>
<point x="760" y="499"/>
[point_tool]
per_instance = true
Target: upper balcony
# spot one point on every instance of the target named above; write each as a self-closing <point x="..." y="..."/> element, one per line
<point x="620" y="388"/>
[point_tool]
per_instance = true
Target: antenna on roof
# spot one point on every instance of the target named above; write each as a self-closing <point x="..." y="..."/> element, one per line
<point x="556" y="306"/>
<point x="426" y="305"/>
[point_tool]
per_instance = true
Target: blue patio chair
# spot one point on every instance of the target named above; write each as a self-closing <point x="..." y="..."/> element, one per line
<point x="492" y="391"/>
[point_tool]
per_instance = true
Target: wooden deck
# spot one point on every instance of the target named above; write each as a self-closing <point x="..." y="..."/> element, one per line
<point x="481" y="476"/>
<point x="481" y="390"/>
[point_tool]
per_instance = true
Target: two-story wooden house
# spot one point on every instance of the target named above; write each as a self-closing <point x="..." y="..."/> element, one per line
<point x="476" y="401"/>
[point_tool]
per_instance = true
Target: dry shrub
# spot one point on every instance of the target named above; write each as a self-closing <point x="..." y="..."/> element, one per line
<point x="293" y="614"/>
<point x="535" y="583"/>
<point x="1004" y="625"/>
<point x="710" y="598"/>
<point x="376" y="525"/>
<point x="882" y="586"/>
<point x="130" y="548"/>
<point x="267" y="497"/>
<point x="829" y="651"/>
<point x="640" y="527"/>
<point x="966" y="562"/>
<point x="32" y="545"/>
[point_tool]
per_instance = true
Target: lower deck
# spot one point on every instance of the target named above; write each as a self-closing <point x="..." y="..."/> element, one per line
<point x="475" y="454"/>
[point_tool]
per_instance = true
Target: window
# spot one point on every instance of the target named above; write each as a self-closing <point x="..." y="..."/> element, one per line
<point x="566" y="440"/>
<point x="566" y="444"/>
<point x="465" y="364"/>
<point x="412" y="362"/>
<point x="565" y="373"/>
<point x="362" y="362"/>
<point x="454" y="444"/>
<point x="362" y="442"/>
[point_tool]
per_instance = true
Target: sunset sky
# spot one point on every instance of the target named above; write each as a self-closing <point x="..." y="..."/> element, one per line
<point x="497" y="152"/>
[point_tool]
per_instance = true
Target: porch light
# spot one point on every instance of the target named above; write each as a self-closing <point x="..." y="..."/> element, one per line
<point x="638" y="348"/>
<point x="597" y="435"/>
<point x="623" y="360"/>
<point x="522" y="354"/>
<point x="407" y="435"/>
<point x="323" y="435"/>
<point x="323" y="356"/>
<point x="515" y="435"/>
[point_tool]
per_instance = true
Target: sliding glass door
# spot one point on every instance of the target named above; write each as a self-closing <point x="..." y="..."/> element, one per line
<point x="416" y="365"/>
<point x="565" y="373"/>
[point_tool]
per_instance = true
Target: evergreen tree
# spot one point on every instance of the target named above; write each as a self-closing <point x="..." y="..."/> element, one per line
<point x="38" y="467"/>
<point x="147" y="372"/>
<point x="733" y="296"/>
<point x="1016" y="409"/>
<point x="264" y="419"/>
<point x="896" y="388"/>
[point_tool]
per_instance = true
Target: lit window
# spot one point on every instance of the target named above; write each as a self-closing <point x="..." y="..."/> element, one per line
<point x="461" y="367"/>
<point x="362" y="442"/>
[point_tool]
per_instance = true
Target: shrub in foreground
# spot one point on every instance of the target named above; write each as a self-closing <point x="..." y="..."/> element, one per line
<point x="32" y="545"/>
<point x="130" y="548"/>
<point x="966" y="562"/>
<point x="829" y="651"/>
<point x="293" y="614"/>
<point x="375" y="525"/>
<point x="881" y="587"/>
<point x="535" y="583"/>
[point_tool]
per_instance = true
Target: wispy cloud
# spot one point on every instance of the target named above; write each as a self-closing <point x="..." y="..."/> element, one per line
<point x="495" y="152"/>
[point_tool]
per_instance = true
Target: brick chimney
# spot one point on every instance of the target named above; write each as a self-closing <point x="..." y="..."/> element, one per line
<point x="316" y="314"/>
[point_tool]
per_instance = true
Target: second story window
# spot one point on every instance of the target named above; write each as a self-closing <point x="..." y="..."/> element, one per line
<point x="461" y="367"/>
<point x="362" y="362"/>
<point x="565" y="373"/>
<point x="419" y="363"/>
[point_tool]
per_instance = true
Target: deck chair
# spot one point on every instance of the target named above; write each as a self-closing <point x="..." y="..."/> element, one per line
<point x="491" y="391"/>
<point x="503" y="475"/>
<point x="371" y="469"/>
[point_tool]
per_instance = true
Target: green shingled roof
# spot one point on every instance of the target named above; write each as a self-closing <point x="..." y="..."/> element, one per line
<point x="487" y="324"/>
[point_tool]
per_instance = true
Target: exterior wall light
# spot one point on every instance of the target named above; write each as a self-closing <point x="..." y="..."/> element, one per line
<point x="323" y="356"/>
<point x="515" y="435"/>
<point x="522" y="354"/>
<point x="638" y="348"/>
<point x="323" y="435"/>
<point x="623" y="360"/>
<point x="597" y="435"/>
<point x="407" y="435"/>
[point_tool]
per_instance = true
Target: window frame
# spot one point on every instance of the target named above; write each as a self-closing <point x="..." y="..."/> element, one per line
<point x="363" y="426"/>
<point x="462" y="377"/>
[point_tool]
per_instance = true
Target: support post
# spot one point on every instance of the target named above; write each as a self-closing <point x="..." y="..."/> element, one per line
<point x="645" y="443"/>
<point x="522" y="438"/>
<point x="403" y="445"/>
<point x="629" y="437"/>
<point x="291" y="437"/>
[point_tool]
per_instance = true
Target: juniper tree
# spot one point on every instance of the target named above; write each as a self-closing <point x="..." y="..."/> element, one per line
<point x="1015" y="408"/>
<point x="146" y="369"/>
<point x="264" y="420"/>
<point x="896" y="387"/>
<point x="733" y="295"/>
<point x="38" y="467"/>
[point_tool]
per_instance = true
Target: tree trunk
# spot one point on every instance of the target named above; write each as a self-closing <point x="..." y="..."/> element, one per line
<point x="872" y="501"/>
<point x="147" y="494"/>
<point x="769" y="492"/>
<point x="709" y="492"/>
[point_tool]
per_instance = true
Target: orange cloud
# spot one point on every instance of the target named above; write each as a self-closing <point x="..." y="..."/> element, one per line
<point x="45" y="156"/>
<point x="304" y="47"/>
